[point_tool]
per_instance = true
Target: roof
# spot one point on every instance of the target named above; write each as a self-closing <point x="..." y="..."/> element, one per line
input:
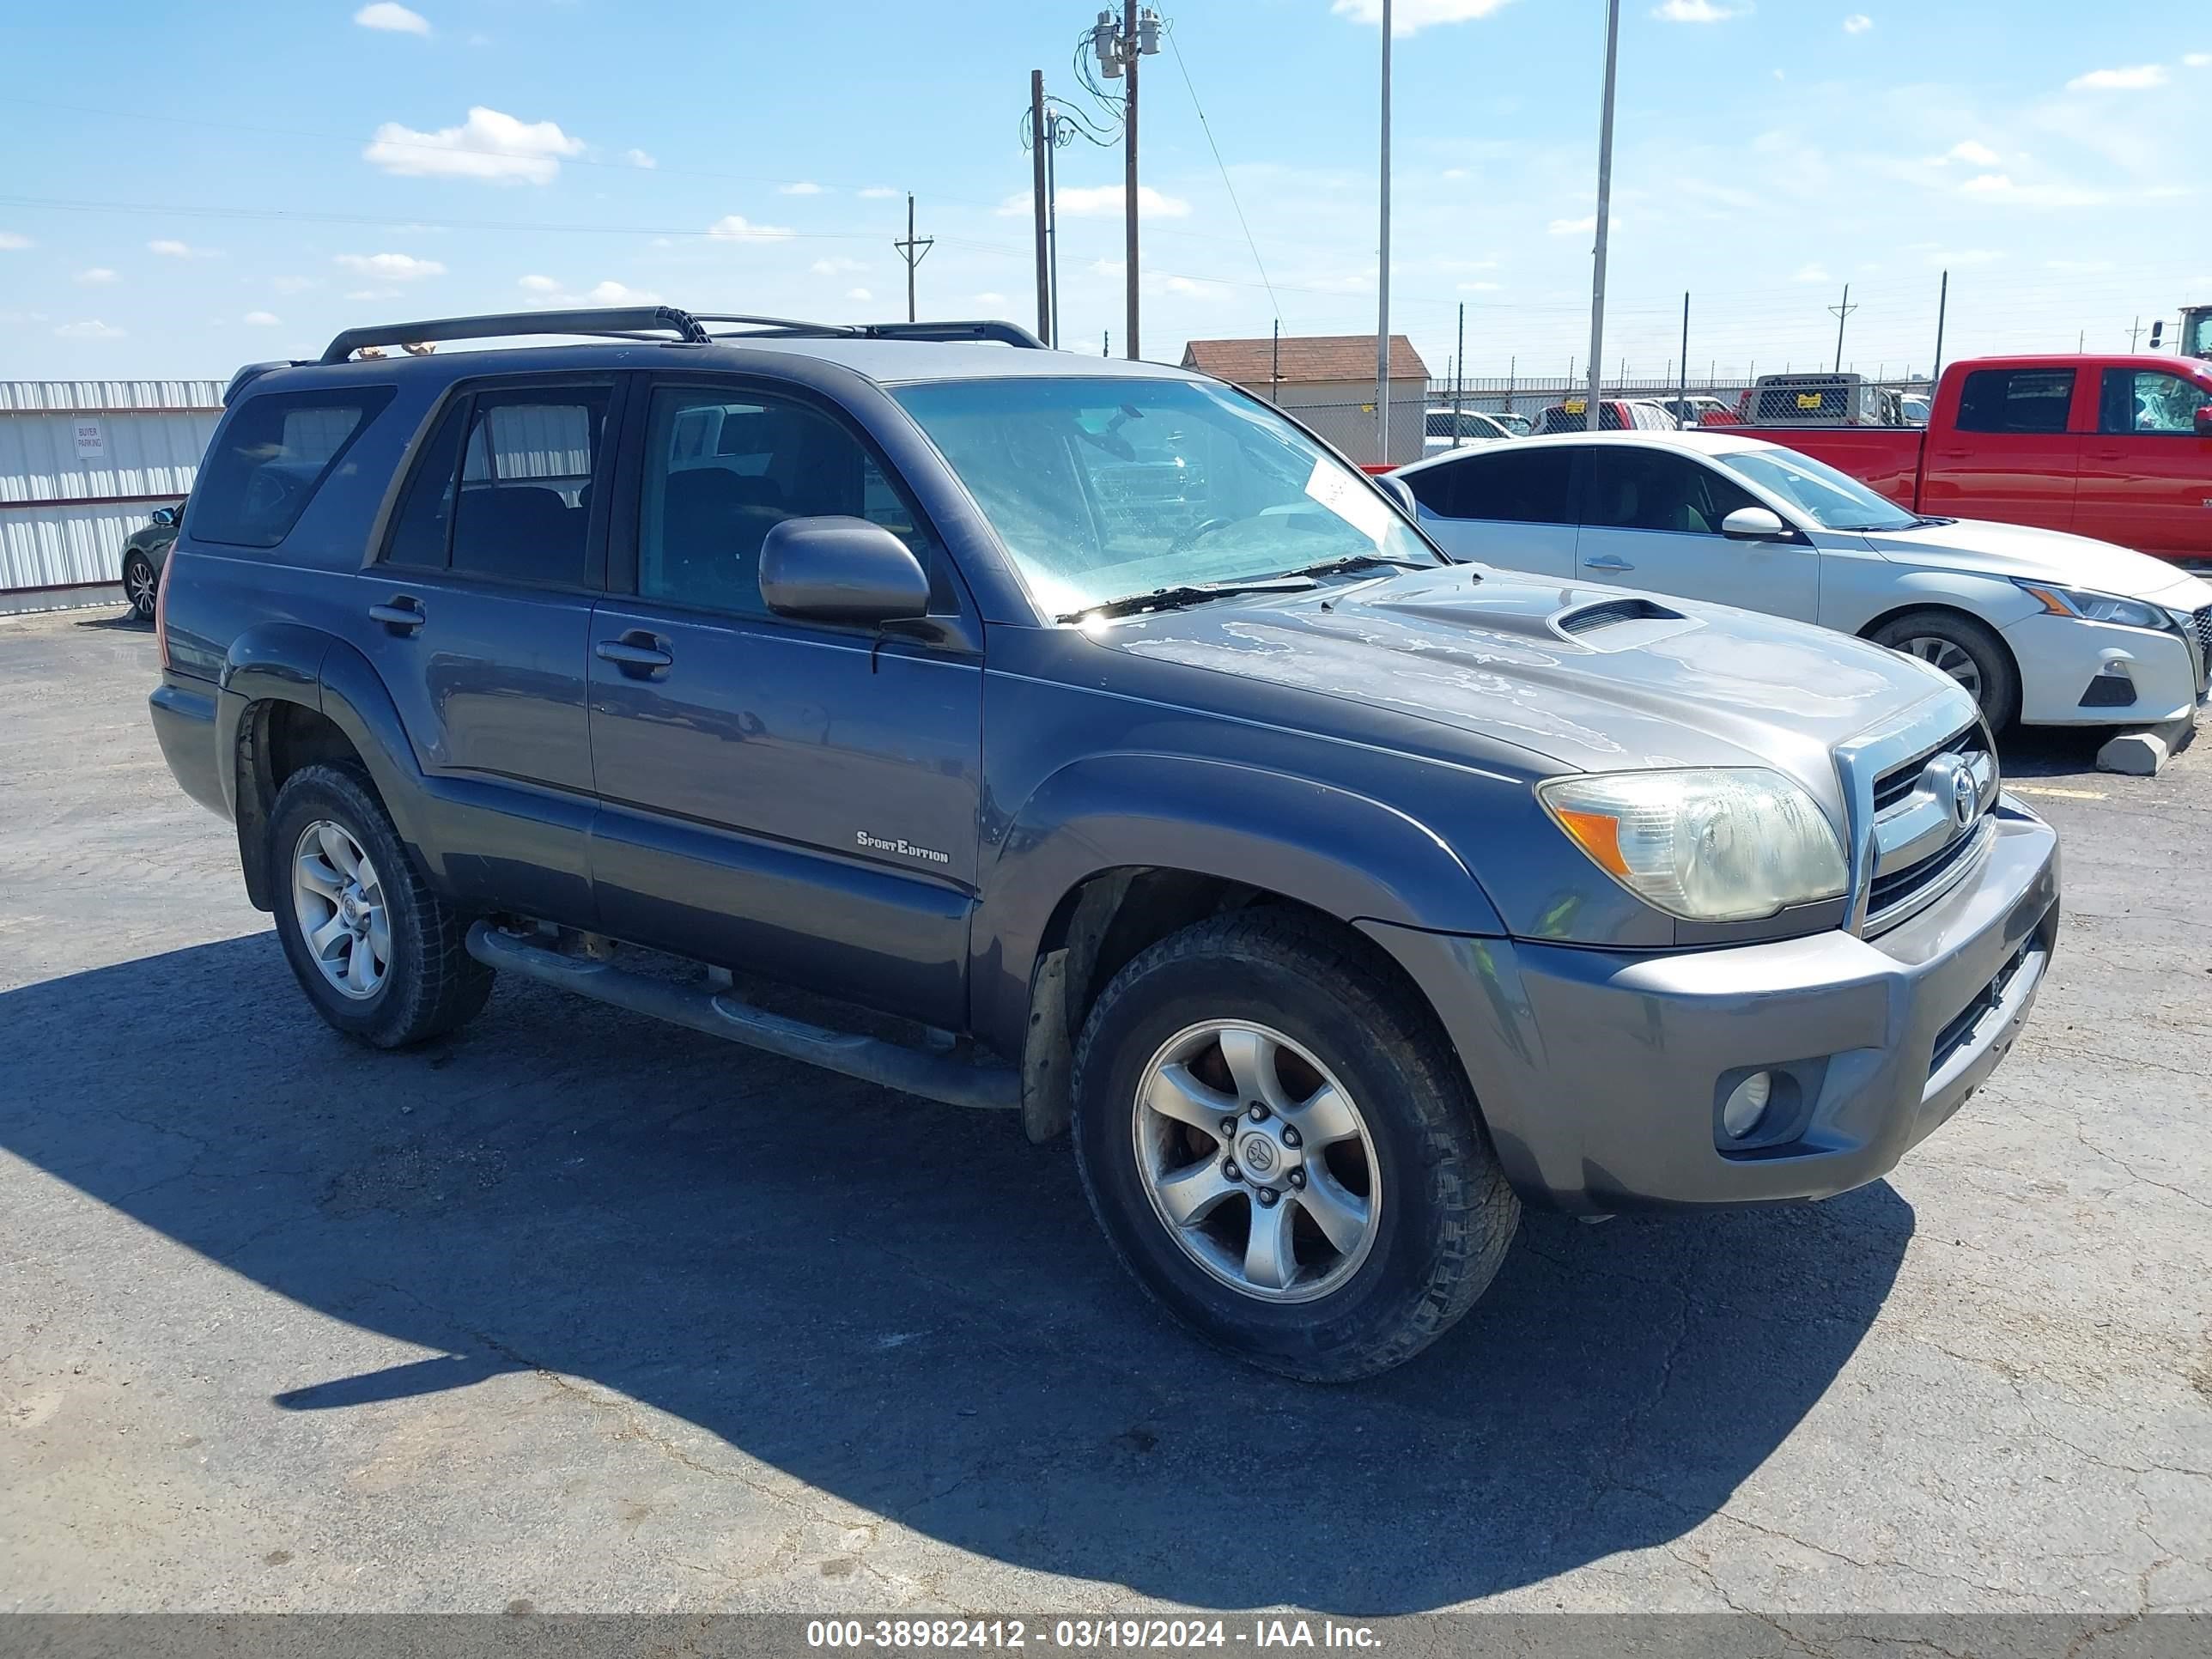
<point x="1705" y="441"/>
<point x="1303" y="357"/>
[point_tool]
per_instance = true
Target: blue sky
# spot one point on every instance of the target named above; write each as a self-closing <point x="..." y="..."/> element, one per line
<point x="182" y="190"/>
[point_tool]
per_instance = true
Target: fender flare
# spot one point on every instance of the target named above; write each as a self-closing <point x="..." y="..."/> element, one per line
<point x="1345" y="854"/>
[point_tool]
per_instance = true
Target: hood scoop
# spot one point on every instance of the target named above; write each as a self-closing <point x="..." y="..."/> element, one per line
<point x="1621" y="625"/>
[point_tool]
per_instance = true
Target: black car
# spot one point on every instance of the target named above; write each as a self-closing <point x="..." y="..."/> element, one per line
<point x="144" y="553"/>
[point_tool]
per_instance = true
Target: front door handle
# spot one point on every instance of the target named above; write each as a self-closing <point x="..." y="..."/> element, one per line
<point x="637" y="653"/>
<point x="402" y="615"/>
<point x="1608" y="562"/>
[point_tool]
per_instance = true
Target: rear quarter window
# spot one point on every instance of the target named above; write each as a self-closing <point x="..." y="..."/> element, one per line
<point x="271" y="458"/>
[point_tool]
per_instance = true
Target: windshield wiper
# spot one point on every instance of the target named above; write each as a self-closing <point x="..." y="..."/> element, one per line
<point x="1361" y="562"/>
<point x="1166" y="598"/>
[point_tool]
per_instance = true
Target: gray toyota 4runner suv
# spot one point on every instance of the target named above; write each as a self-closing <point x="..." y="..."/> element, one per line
<point x="1120" y="757"/>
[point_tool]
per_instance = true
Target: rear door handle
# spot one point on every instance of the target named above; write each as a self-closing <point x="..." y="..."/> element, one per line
<point x="402" y="615"/>
<point x="1608" y="562"/>
<point x="638" y="654"/>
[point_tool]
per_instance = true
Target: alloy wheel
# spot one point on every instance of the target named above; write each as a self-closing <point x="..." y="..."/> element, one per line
<point x="339" y="901"/>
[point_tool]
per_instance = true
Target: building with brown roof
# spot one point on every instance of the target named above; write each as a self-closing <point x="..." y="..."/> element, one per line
<point x="1328" y="380"/>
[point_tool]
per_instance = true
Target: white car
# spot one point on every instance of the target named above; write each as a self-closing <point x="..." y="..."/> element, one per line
<point x="2044" y="628"/>
<point x="1475" y="428"/>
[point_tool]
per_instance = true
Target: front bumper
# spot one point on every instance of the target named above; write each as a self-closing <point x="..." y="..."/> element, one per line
<point x="1601" y="1074"/>
<point x="2062" y="659"/>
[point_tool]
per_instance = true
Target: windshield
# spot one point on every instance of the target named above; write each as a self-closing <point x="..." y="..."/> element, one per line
<point x="1833" y="500"/>
<point x="1105" y="488"/>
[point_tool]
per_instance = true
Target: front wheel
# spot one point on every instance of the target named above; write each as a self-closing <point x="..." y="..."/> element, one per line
<point x="1282" y="1153"/>
<point x="142" y="586"/>
<point x="1966" y="650"/>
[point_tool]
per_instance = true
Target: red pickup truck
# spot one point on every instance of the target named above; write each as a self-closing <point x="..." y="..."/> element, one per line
<point x="2118" y="449"/>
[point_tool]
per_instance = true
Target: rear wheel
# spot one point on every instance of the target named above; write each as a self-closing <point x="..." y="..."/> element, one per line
<point x="380" y="955"/>
<point x="1966" y="650"/>
<point x="1282" y="1154"/>
<point x="141" y="584"/>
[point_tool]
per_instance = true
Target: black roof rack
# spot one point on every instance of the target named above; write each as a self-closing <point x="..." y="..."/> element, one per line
<point x="784" y="328"/>
<point x="624" y="322"/>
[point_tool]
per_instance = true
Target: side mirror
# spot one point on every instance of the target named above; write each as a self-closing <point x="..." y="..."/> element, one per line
<point x="837" y="569"/>
<point x="1755" y="524"/>
<point x="165" y="516"/>
<point x="2204" y="420"/>
<point x="1396" y="489"/>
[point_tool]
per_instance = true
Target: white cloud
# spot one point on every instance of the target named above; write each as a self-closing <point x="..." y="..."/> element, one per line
<point x="393" y="267"/>
<point x="835" y="265"/>
<point x="612" y="292"/>
<point x="373" y="294"/>
<point x="1480" y="288"/>
<point x="489" y="145"/>
<point x="2139" y="78"/>
<point x="1943" y="258"/>
<point x="385" y="15"/>
<point x="2079" y="267"/>
<point x="1858" y="23"/>
<point x="1969" y="151"/>
<point x="1814" y="272"/>
<point x="168" y="248"/>
<point x="2001" y="187"/>
<point x="737" y="227"/>
<point x="990" y="299"/>
<point x="1453" y="173"/>
<point x="293" y="284"/>
<point x="2198" y="60"/>
<point x="858" y="294"/>
<point x="1696" y="11"/>
<point x="802" y="187"/>
<point x="538" y="284"/>
<point x="638" y="158"/>
<point x="11" y="241"/>
<point x="91" y="329"/>
<point x="1192" y="289"/>
<point x="95" y="274"/>
<point x="1411" y="15"/>
<point x="262" y="319"/>
<point x="1572" y="226"/>
<point x="1102" y="202"/>
<point x="878" y="193"/>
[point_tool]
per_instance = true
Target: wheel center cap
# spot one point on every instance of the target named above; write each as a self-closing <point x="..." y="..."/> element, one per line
<point x="349" y="909"/>
<point x="1261" y="1155"/>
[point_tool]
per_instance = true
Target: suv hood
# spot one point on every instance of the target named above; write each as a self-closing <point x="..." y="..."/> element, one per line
<point x="1479" y="651"/>
<point x="2045" y="555"/>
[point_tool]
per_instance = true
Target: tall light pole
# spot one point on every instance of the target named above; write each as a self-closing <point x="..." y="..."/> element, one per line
<point x="1604" y="211"/>
<point x="1382" y="272"/>
<point x="1038" y="140"/>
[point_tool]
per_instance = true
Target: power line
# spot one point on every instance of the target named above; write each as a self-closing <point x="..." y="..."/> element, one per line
<point x="1207" y="127"/>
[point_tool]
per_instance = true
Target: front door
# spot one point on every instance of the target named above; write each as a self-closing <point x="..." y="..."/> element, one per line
<point x="2013" y="455"/>
<point x="1652" y="520"/>
<point x="788" y="798"/>
<point x="2146" y="474"/>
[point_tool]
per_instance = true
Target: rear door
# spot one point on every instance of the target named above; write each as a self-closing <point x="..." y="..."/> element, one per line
<point x="476" y="615"/>
<point x="1511" y="505"/>
<point x="1652" y="520"/>
<point x="795" y="799"/>
<point x="2010" y="454"/>
<point x="2146" y="475"/>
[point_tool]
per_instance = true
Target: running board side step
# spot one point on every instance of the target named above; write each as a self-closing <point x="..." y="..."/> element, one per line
<point x="871" y="1059"/>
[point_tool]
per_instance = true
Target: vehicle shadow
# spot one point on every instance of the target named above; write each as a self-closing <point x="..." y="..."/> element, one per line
<point x="908" y="1306"/>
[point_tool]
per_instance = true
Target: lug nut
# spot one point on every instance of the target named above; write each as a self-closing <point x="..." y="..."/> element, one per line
<point x="1267" y="1195"/>
<point x="1290" y="1136"/>
<point x="1229" y="1168"/>
<point x="1258" y="1112"/>
<point x="1298" y="1179"/>
<point x="1228" y="1128"/>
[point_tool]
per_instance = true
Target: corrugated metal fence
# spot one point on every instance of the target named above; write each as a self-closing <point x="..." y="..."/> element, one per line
<point x="81" y="465"/>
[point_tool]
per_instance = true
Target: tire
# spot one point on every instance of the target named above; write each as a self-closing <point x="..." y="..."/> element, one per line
<point x="424" y="984"/>
<point x="142" y="585"/>
<point x="1438" y="1215"/>
<point x="1939" y="637"/>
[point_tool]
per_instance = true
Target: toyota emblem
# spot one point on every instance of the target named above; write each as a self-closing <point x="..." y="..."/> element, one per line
<point x="1966" y="794"/>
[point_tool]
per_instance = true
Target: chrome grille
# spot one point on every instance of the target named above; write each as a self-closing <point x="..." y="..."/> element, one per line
<point x="1921" y="847"/>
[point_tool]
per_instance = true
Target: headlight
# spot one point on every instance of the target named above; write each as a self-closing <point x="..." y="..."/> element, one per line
<point x="1708" y="845"/>
<point x="2094" y="607"/>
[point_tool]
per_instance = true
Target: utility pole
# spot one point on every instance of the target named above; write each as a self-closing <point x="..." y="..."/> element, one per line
<point x="1843" y="315"/>
<point x="1943" y="305"/>
<point x="1037" y="142"/>
<point x="913" y="253"/>
<point x="1682" y="393"/>
<point x="2134" y="334"/>
<point x="1118" y="50"/>
<point x="1459" y="374"/>
<point x="1382" y="272"/>
<point x="1052" y="128"/>
<point x="1275" y="366"/>
<point x="1604" y="214"/>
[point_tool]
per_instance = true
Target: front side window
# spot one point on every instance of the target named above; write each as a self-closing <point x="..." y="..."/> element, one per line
<point x="1517" y="486"/>
<point x="272" y="456"/>
<point x="2015" y="400"/>
<point x="2148" y="400"/>
<point x="1632" y="488"/>
<point x="1833" y="500"/>
<point x="1107" y="488"/>
<point x="724" y="468"/>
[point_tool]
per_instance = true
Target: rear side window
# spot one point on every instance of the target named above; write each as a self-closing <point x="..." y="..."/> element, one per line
<point x="2015" y="400"/>
<point x="271" y="458"/>
<point x="502" y="488"/>
<point x="1518" y="486"/>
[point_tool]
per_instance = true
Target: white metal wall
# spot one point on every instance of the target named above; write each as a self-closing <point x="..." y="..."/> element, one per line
<point x="62" y="518"/>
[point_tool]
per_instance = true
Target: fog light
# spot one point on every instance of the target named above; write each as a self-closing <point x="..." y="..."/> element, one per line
<point x="1746" y="1104"/>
